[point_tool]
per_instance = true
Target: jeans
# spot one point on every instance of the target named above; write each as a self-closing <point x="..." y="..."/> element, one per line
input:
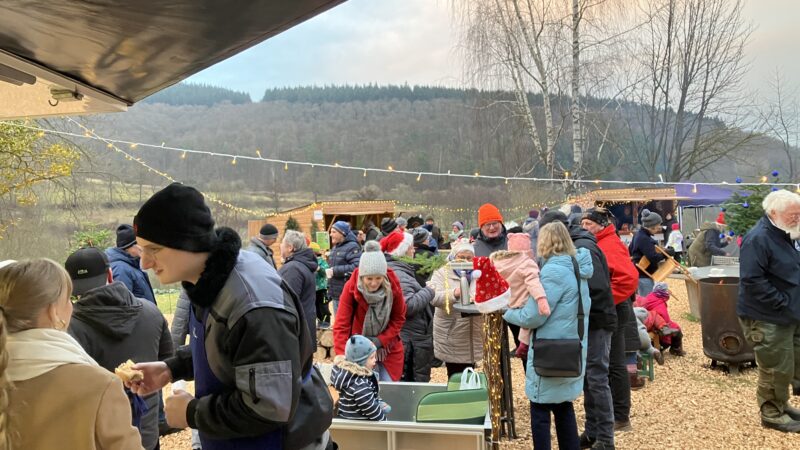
<point x="618" y="370"/>
<point x="596" y="390"/>
<point x="777" y="350"/>
<point x="645" y="286"/>
<point x="566" y="425"/>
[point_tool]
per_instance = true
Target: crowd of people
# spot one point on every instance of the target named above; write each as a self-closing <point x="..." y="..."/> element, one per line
<point x="251" y="315"/>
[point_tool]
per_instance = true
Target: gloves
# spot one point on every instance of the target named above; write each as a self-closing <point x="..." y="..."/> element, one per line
<point x="328" y="273"/>
<point x="522" y="351"/>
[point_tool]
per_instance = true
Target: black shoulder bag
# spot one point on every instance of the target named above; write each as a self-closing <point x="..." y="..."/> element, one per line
<point x="561" y="357"/>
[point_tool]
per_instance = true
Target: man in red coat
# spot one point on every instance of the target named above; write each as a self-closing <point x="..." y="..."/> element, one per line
<point x="372" y="305"/>
<point x="624" y="281"/>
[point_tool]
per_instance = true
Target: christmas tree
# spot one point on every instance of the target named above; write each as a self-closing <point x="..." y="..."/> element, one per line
<point x="743" y="210"/>
<point x="314" y="229"/>
<point x="292" y="224"/>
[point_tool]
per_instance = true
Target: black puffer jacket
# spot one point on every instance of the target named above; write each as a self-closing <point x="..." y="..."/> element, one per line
<point x="485" y="246"/>
<point x="419" y="316"/>
<point x="343" y="259"/>
<point x="113" y="326"/>
<point x="769" y="286"/>
<point x="298" y="271"/>
<point x="603" y="315"/>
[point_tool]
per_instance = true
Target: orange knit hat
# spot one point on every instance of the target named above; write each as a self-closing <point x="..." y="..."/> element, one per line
<point x="488" y="213"/>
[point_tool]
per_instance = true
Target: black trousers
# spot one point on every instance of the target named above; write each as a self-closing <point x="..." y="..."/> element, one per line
<point x="566" y="425"/>
<point x="454" y="368"/>
<point x="618" y="377"/>
<point x="418" y="361"/>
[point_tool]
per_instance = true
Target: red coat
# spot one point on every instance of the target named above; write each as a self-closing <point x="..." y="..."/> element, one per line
<point x="350" y="321"/>
<point x="624" y="275"/>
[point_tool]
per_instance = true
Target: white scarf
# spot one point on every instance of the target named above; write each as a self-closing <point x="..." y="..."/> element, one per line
<point x="39" y="350"/>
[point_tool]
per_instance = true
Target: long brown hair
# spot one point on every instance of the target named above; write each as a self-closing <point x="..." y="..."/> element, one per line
<point x="26" y="287"/>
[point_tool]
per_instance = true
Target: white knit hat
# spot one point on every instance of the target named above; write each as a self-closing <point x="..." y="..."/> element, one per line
<point x="372" y="260"/>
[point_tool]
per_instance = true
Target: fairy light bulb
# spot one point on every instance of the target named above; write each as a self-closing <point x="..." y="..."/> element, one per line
<point x="566" y="174"/>
<point x="419" y="177"/>
<point x="391" y="169"/>
<point x="133" y="146"/>
<point x="258" y="152"/>
<point x="506" y="180"/>
<point x="183" y="155"/>
<point x="286" y="166"/>
<point x="477" y="174"/>
<point x="233" y="161"/>
<point x="365" y="173"/>
<point x="694" y="189"/>
<point x="764" y="179"/>
<point x="110" y="145"/>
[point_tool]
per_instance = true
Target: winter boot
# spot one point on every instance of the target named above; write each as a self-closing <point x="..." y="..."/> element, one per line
<point x="586" y="441"/>
<point x="637" y="382"/>
<point x="676" y="346"/>
<point x="658" y="356"/>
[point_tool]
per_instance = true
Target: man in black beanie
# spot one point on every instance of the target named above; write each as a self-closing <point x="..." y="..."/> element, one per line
<point x="260" y="245"/>
<point x="250" y="352"/>
<point x="387" y="226"/>
<point x="599" y="430"/>
<point x="124" y="260"/>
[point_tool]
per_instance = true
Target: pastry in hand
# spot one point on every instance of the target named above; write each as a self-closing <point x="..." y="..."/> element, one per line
<point x="127" y="373"/>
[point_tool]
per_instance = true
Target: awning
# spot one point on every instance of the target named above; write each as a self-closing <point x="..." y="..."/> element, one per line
<point x="705" y="195"/>
<point x="100" y="56"/>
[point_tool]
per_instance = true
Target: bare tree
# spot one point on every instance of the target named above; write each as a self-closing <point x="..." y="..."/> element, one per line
<point x="781" y="119"/>
<point x="691" y="60"/>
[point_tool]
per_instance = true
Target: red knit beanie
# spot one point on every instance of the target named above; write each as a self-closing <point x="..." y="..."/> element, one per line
<point x="488" y="213"/>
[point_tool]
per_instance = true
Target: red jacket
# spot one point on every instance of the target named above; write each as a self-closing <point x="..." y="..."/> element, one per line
<point x="624" y="275"/>
<point x="350" y="321"/>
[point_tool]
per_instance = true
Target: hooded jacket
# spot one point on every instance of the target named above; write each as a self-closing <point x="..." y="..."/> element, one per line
<point x="343" y="259"/>
<point x="522" y="275"/>
<point x="419" y="316"/>
<point x="558" y="278"/>
<point x="257" y="346"/>
<point x="113" y="326"/>
<point x="623" y="274"/>
<point x="643" y="244"/>
<point x="298" y="272"/>
<point x="603" y="315"/>
<point x="707" y="244"/>
<point x="769" y="276"/>
<point x="350" y="320"/>
<point x="126" y="269"/>
<point x="359" y="392"/>
<point x="266" y="253"/>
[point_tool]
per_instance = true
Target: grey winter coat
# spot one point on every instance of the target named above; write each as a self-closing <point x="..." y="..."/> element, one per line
<point x="258" y="247"/>
<point x="485" y="246"/>
<point x="456" y="338"/>
<point x="531" y="226"/>
<point x="343" y="260"/>
<point x="419" y="317"/>
<point x="113" y="326"/>
<point x="180" y="320"/>
<point x="298" y="271"/>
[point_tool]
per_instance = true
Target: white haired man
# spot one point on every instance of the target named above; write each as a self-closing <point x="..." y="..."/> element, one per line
<point x="769" y="307"/>
<point x="298" y="271"/>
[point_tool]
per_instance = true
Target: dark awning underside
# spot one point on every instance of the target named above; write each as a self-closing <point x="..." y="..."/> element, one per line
<point x="123" y="51"/>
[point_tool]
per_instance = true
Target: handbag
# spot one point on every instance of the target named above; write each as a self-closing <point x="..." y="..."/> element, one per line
<point x="561" y="357"/>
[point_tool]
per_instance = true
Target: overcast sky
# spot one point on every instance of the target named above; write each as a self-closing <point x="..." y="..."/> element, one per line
<point x="415" y="42"/>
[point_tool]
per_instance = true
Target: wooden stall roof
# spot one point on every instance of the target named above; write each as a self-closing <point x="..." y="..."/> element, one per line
<point x="304" y="214"/>
<point x="628" y="195"/>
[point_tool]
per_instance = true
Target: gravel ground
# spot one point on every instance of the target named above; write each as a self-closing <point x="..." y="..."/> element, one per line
<point x="687" y="406"/>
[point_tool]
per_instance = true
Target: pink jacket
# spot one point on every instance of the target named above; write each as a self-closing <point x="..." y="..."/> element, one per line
<point x="658" y="304"/>
<point x="522" y="274"/>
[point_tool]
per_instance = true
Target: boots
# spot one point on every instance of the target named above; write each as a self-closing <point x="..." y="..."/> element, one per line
<point x="676" y="346"/>
<point x="637" y="382"/>
<point x="658" y="356"/>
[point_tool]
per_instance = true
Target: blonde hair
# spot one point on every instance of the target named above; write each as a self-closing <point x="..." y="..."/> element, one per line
<point x="554" y="240"/>
<point x="26" y="287"/>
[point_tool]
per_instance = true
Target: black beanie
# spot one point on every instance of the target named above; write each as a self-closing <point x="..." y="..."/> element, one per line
<point x="268" y="231"/>
<point x="176" y="217"/>
<point x="596" y="216"/>
<point x="553" y="216"/>
<point x="388" y="225"/>
<point x="125" y="236"/>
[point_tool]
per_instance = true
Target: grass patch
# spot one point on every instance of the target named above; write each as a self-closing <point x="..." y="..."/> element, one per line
<point x="690" y="317"/>
<point x="167" y="300"/>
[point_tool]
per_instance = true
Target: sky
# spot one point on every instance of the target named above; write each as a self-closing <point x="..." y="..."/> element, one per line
<point x="416" y="42"/>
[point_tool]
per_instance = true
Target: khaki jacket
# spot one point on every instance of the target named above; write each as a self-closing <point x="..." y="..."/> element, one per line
<point x="456" y="339"/>
<point x="72" y="407"/>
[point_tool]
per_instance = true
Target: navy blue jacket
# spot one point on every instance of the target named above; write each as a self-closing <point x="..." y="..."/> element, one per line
<point x="643" y="244"/>
<point x="343" y="259"/>
<point x="125" y="269"/>
<point x="769" y="284"/>
<point x="298" y="271"/>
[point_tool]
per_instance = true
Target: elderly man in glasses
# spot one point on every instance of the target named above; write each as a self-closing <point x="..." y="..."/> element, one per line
<point x="769" y="307"/>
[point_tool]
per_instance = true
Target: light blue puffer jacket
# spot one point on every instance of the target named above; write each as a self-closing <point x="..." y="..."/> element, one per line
<point x="558" y="278"/>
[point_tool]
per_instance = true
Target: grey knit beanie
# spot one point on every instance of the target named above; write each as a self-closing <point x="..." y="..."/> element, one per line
<point x="650" y="219"/>
<point x="358" y="349"/>
<point x="372" y="260"/>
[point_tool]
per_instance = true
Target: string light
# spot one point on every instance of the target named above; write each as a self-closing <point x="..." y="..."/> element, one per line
<point x="798" y="189"/>
<point x="694" y="189"/>
<point x="286" y="166"/>
<point x="419" y="177"/>
<point x="365" y="173"/>
<point x="183" y="155"/>
<point x="566" y="174"/>
<point x="110" y="145"/>
<point x="233" y="161"/>
<point x="477" y="174"/>
<point x="258" y="152"/>
<point x="764" y="179"/>
<point x="134" y="145"/>
<point x="506" y="181"/>
<point x="90" y="135"/>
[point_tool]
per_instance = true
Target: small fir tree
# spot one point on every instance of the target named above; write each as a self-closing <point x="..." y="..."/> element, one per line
<point x="314" y="229"/>
<point x="291" y="224"/>
<point x="743" y="211"/>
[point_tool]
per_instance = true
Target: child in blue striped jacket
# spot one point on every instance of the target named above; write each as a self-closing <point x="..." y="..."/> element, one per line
<point x="357" y="383"/>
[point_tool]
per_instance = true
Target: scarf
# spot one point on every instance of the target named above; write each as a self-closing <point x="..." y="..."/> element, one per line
<point x="37" y="351"/>
<point x="379" y="308"/>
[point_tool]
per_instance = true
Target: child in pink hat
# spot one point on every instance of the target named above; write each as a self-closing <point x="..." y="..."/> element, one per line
<point x="519" y="268"/>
